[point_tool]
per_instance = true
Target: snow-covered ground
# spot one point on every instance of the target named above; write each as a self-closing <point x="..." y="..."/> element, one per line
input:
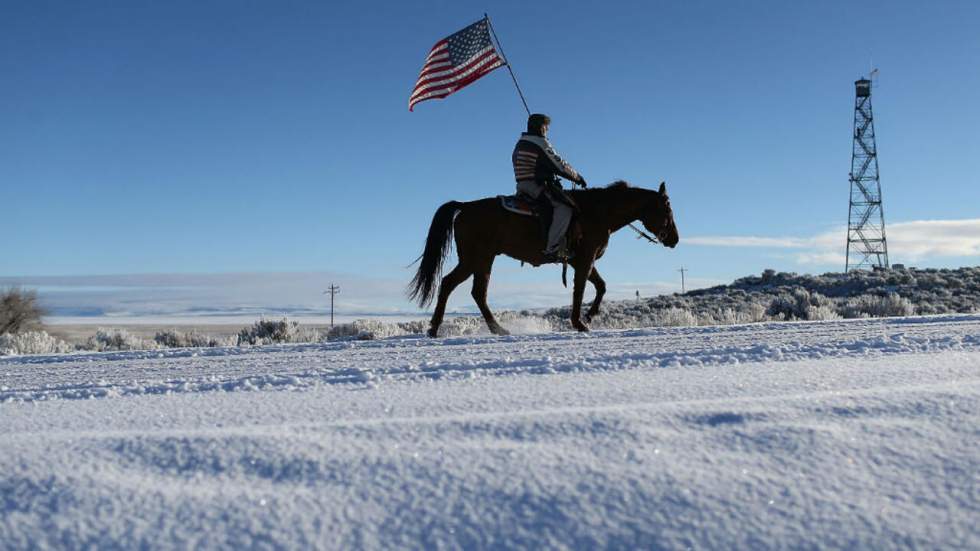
<point x="846" y="434"/>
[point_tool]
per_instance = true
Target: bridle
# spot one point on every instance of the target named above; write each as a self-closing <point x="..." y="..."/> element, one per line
<point x="640" y="233"/>
<point x="644" y="235"/>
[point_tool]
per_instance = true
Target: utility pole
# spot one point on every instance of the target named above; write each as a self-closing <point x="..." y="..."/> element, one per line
<point x="332" y="290"/>
<point x="682" y="271"/>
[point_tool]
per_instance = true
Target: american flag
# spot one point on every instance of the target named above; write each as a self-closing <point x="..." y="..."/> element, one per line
<point x="455" y="62"/>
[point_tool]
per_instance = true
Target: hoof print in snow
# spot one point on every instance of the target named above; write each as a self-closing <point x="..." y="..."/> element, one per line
<point x="724" y="418"/>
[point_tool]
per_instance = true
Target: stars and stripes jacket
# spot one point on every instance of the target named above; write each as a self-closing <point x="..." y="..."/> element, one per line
<point x="536" y="162"/>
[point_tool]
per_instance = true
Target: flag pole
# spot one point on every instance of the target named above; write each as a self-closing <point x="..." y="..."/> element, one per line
<point x="507" y="63"/>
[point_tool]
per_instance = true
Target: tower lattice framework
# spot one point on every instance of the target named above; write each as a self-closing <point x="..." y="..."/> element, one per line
<point x="866" y="243"/>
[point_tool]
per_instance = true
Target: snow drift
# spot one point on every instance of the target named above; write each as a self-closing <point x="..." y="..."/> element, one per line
<point x="842" y="434"/>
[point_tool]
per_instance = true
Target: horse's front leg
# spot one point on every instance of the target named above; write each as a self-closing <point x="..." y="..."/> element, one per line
<point x="582" y="272"/>
<point x="600" y="291"/>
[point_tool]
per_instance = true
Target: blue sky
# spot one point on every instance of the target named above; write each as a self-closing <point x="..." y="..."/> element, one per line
<point x="268" y="137"/>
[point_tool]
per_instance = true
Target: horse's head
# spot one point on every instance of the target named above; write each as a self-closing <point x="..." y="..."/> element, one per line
<point x="658" y="218"/>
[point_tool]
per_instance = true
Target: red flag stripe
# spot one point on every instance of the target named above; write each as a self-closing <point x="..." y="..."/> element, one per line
<point x="456" y="74"/>
<point x="440" y="46"/>
<point x="479" y="66"/>
<point x="438" y="74"/>
<point x="433" y="68"/>
<point x="457" y="86"/>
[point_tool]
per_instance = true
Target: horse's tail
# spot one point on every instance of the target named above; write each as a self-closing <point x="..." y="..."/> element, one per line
<point x="436" y="247"/>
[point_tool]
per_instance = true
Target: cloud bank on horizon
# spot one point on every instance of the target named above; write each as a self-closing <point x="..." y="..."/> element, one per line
<point x="251" y="295"/>
<point x="913" y="241"/>
<point x="300" y="294"/>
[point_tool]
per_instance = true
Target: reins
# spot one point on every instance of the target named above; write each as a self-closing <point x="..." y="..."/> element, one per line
<point x="643" y="234"/>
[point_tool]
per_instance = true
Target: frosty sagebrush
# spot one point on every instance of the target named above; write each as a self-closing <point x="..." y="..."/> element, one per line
<point x="19" y="311"/>
<point x="773" y="296"/>
<point x="32" y="342"/>
<point x="781" y="296"/>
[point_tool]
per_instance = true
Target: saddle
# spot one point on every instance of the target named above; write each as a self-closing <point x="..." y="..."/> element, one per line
<point x="519" y="204"/>
<point x="524" y="205"/>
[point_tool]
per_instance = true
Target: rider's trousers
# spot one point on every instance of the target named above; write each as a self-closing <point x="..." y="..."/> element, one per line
<point x="561" y="217"/>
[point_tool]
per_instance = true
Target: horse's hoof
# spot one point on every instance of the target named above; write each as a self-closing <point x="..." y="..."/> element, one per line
<point x="433" y="332"/>
<point x="499" y="331"/>
<point x="581" y="327"/>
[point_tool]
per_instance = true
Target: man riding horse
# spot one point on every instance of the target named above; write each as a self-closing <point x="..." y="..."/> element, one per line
<point x="537" y="167"/>
<point x="484" y="229"/>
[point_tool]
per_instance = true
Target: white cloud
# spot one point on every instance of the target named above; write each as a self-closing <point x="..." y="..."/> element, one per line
<point x="913" y="241"/>
<point x="298" y="295"/>
<point x="820" y="258"/>
<point x="214" y="294"/>
<point x="746" y="241"/>
<point x="934" y="238"/>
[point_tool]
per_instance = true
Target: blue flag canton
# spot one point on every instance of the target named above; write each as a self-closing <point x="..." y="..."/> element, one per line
<point x="468" y="42"/>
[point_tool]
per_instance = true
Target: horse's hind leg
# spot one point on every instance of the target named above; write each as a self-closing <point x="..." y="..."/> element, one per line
<point x="450" y="282"/>
<point x="600" y="291"/>
<point x="481" y="281"/>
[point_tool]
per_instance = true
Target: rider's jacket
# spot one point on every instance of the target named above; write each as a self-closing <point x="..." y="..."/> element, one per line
<point x="536" y="163"/>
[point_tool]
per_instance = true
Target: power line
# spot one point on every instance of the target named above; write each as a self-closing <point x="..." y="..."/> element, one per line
<point x="683" y="271"/>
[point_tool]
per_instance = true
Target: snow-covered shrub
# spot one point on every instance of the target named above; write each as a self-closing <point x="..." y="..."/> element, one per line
<point x="801" y="304"/>
<point x="463" y="326"/>
<point x="114" y="339"/>
<point x="823" y="312"/>
<point x="190" y="339"/>
<point x="878" y="306"/>
<point x="366" y="329"/>
<point x="749" y="312"/>
<point x="522" y="323"/>
<point x="275" y="331"/>
<point x="675" y="317"/>
<point x="32" y="342"/>
<point x="454" y="326"/>
<point x="19" y="311"/>
<point x="518" y="323"/>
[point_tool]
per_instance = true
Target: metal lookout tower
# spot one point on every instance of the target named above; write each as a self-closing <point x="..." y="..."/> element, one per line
<point x="866" y="244"/>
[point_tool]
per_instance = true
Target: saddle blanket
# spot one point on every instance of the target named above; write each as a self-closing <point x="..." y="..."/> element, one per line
<point x="517" y="205"/>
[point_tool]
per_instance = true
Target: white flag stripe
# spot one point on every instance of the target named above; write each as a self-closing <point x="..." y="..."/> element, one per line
<point x="438" y="94"/>
<point x="428" y="72"/>
<point x="468" y="61"/>
<point x="436" y="49"/>
<point x="447" y="84"/>
<point x="476" y="67"/>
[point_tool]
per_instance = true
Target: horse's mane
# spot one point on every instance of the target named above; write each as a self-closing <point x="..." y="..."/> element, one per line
<point x="591" y="197"/>
<point x="618" y="185"/>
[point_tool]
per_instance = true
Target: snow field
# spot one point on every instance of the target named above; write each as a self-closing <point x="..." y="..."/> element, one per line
<point x="858" y="434"/>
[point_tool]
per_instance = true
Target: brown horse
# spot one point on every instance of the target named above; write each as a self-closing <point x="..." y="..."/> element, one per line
<point x="484" y="230"/>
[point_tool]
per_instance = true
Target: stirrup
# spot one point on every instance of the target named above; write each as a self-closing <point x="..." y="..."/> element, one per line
<point x="557" y="257"/>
